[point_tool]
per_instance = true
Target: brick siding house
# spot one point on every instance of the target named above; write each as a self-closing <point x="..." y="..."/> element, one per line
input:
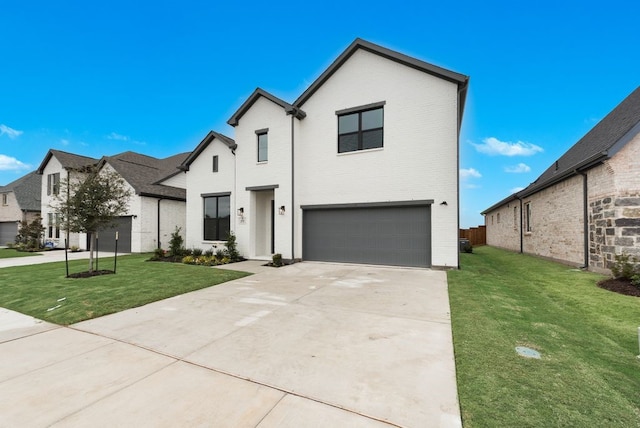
<point x="19" y="201"/>
<point x="585" y="208"/>
<point x="361" y="168"/>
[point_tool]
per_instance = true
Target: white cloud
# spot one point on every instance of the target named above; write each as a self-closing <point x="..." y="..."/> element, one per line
<point x="516" y="189"/>
<point x="64" y="142"/>
<point x="7" y="163"/>
<point x="117" y="137"/>
<point x="472" y="186"/>
<point x="11" y="133"/>
<point x="470" y="173"/>
<point x="518" y="169"/>
<point x="492" y="146"/>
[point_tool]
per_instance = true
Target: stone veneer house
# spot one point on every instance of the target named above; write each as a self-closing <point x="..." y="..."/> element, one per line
<point x="585" y="208"/>
<point x="19" y="201"/>
<point x="361" y="168"/>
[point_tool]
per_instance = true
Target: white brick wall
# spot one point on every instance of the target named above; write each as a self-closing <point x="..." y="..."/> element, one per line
<point x="419" y="157"/>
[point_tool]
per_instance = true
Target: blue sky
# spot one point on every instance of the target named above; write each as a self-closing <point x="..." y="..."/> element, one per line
<point x="98" y="78"/>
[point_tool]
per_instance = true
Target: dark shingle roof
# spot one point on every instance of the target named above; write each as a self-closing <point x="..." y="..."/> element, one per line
<point x="144" y="172"/>
<point x="68" y="160"/>
<point x="596" y="146"/>
<point x="233" y="121"/>
<point x="27" y="190"/>
<point x="204" y="144"/>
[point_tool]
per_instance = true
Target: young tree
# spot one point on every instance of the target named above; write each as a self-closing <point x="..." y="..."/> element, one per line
<point x="91" y="202"/>
<point x="30" y="234"/>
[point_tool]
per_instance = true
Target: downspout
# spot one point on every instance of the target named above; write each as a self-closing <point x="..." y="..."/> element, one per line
<point x="585" y="213"/>
<point x="158" y="240"/>
<point x="293" y="211"/>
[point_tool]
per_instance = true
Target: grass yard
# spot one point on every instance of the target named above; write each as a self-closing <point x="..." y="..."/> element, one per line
<point x="589" y="373"/>
<point x="34" y="289"/>
<point x="7" y="253"/>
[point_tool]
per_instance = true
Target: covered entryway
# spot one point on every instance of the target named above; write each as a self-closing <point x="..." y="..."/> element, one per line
<point x="397" y="235"/>
<point x="262" y="221"/>
<point x="8" y="232"/>
<point x="107" y="237"/>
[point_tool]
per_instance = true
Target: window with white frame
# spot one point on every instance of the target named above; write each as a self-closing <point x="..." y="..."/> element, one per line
<point x="53" y="184"/>
<point x="53" y="230"/>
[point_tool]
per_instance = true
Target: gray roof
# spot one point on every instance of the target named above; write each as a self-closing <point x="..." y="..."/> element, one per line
<point x="27" y="190"/>
<point x="600" y="143"/>
<point x="144" y="172"/>
<point x="212" y="135"/>
<point x="235" y="118"/>
<point x="68" y="160"/>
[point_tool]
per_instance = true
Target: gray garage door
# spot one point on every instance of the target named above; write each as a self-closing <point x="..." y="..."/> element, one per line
<point x="107" y="237"/>
<point x="398" y="236"/>
<point x="8" y="232"/>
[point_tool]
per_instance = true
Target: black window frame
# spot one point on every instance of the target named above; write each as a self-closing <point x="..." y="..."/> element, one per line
<point x="262" y="133"/>
<point x="217" y="221"/>
<point x="215" y="163"/>
<point x="360" y="132"/>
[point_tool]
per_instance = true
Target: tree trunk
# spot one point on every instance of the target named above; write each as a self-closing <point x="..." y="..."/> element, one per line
<point x="92" y="248"/>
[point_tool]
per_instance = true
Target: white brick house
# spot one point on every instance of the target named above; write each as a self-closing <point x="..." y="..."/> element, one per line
<point x="362" y="167"/>
<point x="156" y="207"/>
<point x="585" y="208"/>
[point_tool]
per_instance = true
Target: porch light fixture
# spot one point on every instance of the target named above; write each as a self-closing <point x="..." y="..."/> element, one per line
<point x="281" y="210"/>
<point x="443" y="203"/>
<point x="240" y="211"/>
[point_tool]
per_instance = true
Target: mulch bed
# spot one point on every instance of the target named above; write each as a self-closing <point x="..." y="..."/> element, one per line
<point x="619" y="285"/>
<point x="87" y="274"/>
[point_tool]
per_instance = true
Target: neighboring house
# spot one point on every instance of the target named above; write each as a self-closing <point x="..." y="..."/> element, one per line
<point x="585" y="208"/>
<point x="56" y="167"/>
<point x="157" y="204"/>
<point x="362" y="167"/>
<point x="156" y="208"/>
<point x="19" y="201"/>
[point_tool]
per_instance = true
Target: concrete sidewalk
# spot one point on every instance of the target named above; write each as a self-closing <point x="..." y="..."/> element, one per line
<point x="305" y="345"/>
<point x="49" y="257"/>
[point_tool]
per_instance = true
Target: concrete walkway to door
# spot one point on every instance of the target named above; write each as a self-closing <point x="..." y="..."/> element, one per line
<point x="310" y="344"/>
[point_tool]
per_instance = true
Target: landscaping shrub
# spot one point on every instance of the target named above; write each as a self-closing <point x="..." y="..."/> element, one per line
<point x="175" y="244"/>
<point x="30" y="235"/>
<point x="626" y="267"/>
<point x="276" y="260"/>
<point x="196" y="252"/>
<point x="232" y="249"/>
<point x="208" y="253"/>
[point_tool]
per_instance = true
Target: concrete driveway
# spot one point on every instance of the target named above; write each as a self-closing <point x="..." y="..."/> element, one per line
<point x="307" y="345"/>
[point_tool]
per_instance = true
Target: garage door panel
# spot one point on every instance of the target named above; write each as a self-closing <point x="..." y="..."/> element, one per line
<point x="382" y="235"/>
<point x="107" y="236"/>
<point x="8" y="232"/>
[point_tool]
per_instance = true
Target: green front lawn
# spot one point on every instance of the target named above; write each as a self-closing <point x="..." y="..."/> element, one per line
<point x="35" y="289"/>
<point x="589" y="373"/>
<point x="7" y="253"/>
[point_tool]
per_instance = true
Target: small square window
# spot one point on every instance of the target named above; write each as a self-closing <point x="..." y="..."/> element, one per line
<point x="215" y="163"/>
<point x="263" y="147"/>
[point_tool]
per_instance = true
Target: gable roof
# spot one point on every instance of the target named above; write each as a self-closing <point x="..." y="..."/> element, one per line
<point x="27" y="190"/>
<point x="208" y="139"/>
<point x="289" y="109"/>
<point x="600" y="143"/>
<point x="144" y="172"/>
<point x="460" y="79"/>
<point x="67" y="160"/>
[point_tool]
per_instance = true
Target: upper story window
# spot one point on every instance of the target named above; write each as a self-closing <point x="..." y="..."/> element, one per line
<point x="527" y="217"/>
<point x="263" y="145"/>
<point x="215" y="163"/>
<point x="360" y="128"/>
<point x="53" y="184"/>
<point x="4" y="199"/>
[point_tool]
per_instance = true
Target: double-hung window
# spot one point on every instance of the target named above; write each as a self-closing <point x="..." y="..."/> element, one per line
<point x="53" y="184"/>
<point x="263" y="145"/>
<point x="217" y="217"/>
<point x="361" y="128"/>
<point x="53" y="229"/>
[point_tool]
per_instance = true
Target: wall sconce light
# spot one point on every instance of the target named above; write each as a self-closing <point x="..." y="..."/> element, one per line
<point x="443" y="203"/>
<point x="281" y="210"/>
<point x="240" y="211"/>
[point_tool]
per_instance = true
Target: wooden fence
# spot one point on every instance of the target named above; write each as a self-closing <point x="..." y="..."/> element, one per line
<point x="475" y="235"/>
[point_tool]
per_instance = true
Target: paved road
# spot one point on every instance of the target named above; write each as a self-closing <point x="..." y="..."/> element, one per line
<point x="310" y="344"/>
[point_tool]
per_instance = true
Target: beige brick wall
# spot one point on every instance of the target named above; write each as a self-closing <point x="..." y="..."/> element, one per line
<point x="557" y="222"/>
<point x="503" y="226"/>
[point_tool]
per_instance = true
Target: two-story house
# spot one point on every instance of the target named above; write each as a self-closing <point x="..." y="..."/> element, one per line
<point x="361" y="168"/>
<point x="19" y="201"/>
